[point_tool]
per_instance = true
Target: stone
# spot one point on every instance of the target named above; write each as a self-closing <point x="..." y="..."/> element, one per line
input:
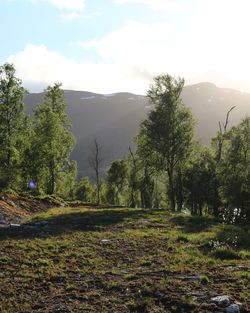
<point x="41" y="223"/>
<point x="203" y="305"/>
<point x="59" y="306"/>
<point x="233" y="308"/>
<point x="191" y="278"/>
<point x="239" y="304"/>
<point x="237" y="268"/>
<point x="222" y="301"/>
<point x="106" y="241"/>
<point x="14" y="225"/>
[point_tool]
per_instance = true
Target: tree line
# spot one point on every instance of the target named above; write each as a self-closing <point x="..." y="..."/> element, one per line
<point x="170" y="168"/>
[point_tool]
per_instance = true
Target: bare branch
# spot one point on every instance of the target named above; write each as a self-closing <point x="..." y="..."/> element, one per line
<point x="94" y="162"/>
<point x="225" y="125"/>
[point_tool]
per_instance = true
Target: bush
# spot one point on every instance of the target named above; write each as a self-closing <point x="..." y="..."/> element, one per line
<point x="225" y="253"/>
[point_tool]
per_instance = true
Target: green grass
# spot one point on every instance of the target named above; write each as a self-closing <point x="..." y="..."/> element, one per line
<point x="121" y="260"/>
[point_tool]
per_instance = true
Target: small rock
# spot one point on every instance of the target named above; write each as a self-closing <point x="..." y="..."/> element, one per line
<point x="191" y="278"/>
<point x="222" y="301"/>
<point x="84" y="297"/>
<point x="233" y="308"/>
<point x="143" y="221"/>
<point x="15" y="225"/>
<point x="203" y="305"/>
<point x="41" y="223"/>
<point x="239" y="304"/>
<point x="237" y="268"/>
<point x="58" y="306"/>
<point x="105" y="241"/>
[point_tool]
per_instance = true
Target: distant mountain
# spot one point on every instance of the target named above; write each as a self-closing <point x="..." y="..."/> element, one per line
<point x="114" y="118"/>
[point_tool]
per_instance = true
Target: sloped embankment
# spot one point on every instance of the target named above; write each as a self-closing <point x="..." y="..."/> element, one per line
<point x="16" y="208"/>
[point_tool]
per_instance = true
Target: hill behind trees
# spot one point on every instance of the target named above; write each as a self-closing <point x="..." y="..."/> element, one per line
<point x="114" y="118"/>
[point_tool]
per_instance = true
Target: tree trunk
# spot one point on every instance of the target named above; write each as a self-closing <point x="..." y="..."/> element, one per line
<point x="52" y="178"/>
<point x="171" y="191"/>
<point x="98" y="187"/>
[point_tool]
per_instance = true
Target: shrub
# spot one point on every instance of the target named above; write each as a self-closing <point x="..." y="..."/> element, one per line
<point x="225" y="253"/>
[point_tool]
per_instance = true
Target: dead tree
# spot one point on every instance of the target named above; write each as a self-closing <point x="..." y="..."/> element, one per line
<point x="133" y="179"/>
<point x="222" y="131"/>
<point x="95" y="161"/>
<point x="220" y="138"/>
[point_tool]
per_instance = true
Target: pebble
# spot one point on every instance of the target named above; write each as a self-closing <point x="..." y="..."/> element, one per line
<point x="222" y="301"/>
<point x="106" y="241"/>
<point x="233" y="308"/>
<point x="15" y="225"/>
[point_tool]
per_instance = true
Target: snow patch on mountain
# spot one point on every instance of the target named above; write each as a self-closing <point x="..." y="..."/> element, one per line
<point x="88" y="98"/>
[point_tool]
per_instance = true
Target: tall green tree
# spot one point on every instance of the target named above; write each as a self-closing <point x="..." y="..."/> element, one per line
<point x="66" y="186"/>
<point x="30" y="163"/>
<point x="85" y="190"/>
<point x="11" y="125"/>
<point x="116" y="180"/>
<point x="199" y="181"/>
<point x="168" y="130"/>
<point x="234" y="172"/>
<point x="53" y="139"/>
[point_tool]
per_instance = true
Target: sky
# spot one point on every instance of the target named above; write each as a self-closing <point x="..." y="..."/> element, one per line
<point x="108" y="46"/>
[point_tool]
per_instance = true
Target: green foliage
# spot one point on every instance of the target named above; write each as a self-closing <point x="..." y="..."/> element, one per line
<point x="12" y="122"/>
<point x="85" y="190"/>
<point x="146" y="188"/>
<point x="204" y="279"/>
<point x="116" y="179"/>
<point x="199" y="180"/>
<point x="203" y="180"/>
<point x="168" y="130"/>
<point x="53" y="141"/>
<point x="225" y="253"/>
<point x="66" y="186"/>
<point x="234" y="172"/>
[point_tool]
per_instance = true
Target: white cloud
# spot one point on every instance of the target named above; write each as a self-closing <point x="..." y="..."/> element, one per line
<point x="209" y="47"/>
<point x="38" y="67"/>
<point x="164" y="5"/>
<point x="136" y="44"/>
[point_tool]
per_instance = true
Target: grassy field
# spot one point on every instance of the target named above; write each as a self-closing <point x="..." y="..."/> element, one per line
<point x="122" y="260"/>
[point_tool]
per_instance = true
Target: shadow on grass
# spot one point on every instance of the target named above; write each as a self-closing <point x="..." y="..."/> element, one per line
<point x="194" y="224"/>
<point x="90" y="220"/>
<point x="235" y="236"/>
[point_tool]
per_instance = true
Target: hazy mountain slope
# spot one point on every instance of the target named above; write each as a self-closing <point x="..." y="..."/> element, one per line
<point x="210" y="104"/>
<point x="114" y="119"/>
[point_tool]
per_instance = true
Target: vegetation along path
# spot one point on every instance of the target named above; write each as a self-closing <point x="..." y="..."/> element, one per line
<point x="123" y="260"/>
